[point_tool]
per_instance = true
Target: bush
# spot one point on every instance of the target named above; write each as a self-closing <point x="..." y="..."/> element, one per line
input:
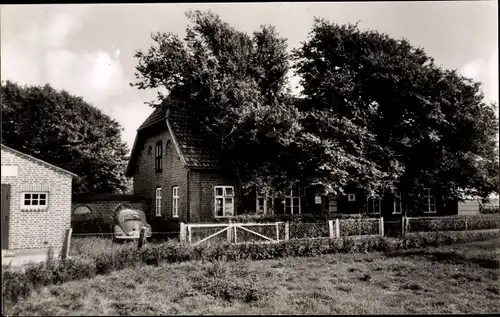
<point x="19" y="283"/>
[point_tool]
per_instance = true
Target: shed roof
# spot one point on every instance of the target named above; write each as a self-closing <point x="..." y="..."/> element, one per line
<point x="27" y="156"/>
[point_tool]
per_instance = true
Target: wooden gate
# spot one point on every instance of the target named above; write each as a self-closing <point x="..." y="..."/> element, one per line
<point x="234" y="233"/>
<point x="5" y="215"/>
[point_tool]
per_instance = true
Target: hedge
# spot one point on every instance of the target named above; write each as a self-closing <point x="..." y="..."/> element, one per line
<point x="18" y="283"/>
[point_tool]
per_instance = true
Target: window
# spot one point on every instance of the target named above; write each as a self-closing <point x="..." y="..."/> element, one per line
<point x="292" y="202"/>
<point x="373" y="206"/>
<point x="158" y="202"/>
<point x="158" y="156"/>
<point x="224" y="201"/>
<point x="175" y="201"/>
<point x="82" y="211"/>
<point x="35" y="200"/>
<point x="429" y="201"/>
<point x="398" y="208"/>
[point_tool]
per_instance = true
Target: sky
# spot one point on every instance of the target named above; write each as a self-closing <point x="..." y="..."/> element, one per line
<point x="87" y="49"/>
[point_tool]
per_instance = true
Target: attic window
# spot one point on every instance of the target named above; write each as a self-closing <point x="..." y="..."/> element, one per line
<point x="158" y="156"/>
<point x="150" y="150"/>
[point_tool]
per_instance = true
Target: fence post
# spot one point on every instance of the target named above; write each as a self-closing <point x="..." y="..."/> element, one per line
<point x="381" y="226"/>
<point x="189" y="234"/>
<point x="66" y="244"/>
<point x="287" y="231"/>
<point x="403" y="226"/>
<point x="330" y="228"/>
<point x="183" y="232"/>
<point x="337" y="228"/>
<point x="277" y="232"/>
<point x="229" y="231"/>
<point x="235" y="241"/>
<point x="142" y="238"/>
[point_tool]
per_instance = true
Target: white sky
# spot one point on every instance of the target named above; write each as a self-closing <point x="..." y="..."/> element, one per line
<point x="88" y="49"/>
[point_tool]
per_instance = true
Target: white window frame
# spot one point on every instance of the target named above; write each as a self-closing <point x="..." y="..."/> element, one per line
<point x="397" y="200"/>
<point x="158" y="202"/>
<point x="224" y="196"/>
<point x="428" y="196"/>
<point x="371" y="202"/>
<point x="175" y="201"/>
<point x="267" y="197"/>
<point x="289" y="195"/>
<point x="31" y="199"/>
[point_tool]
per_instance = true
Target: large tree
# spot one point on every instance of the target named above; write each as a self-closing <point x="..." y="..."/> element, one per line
<point x="381" y="113"/>
<point x="235" y="88"/>
<point x="66" y="131"/>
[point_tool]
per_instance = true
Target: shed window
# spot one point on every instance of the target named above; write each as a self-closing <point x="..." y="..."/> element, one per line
<point x="35" y="200"/>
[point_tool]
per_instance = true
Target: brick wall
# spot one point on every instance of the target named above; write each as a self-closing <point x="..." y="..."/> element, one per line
<point x="202" y="193"/>
<point x="101" y="219"/>
<point x="43" y="228"/>
<point x="146" y="179"/>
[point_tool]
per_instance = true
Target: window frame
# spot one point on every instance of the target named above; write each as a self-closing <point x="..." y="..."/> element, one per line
<point x="158" y="202"/>
<point x="428" y="195"/>
<point x="224" y="196"/>
<point x="31" y="199"/>
<point x="158" y="156"/>
<point x="289" y="195"/>
<point x="398" y="197"/>
<point x="371" y="202"/>
<point x="175" y="201"/>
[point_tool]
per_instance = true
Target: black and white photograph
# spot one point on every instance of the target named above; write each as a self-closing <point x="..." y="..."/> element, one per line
<point x="250" y="158"/>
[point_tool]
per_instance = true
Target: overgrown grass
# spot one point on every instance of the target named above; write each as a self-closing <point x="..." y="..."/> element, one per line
<point x="395" y="282"/>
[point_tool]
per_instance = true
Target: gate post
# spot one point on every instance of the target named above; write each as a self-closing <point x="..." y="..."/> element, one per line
<point x="182" y="236"/>
<point x="330" y="228"/>
<point x="381" y="226"/>
<point x="229" y="231"/>
<point x="66" y="244"/>
<point x="142" y="238"/>
<point x="337" y="228"/>
<point x="287" y="231"/>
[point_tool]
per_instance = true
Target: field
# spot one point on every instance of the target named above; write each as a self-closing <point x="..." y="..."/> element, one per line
<point x="449" y="279"/>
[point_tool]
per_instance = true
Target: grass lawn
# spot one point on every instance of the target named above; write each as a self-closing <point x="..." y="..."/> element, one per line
<point x="450" y="279"/>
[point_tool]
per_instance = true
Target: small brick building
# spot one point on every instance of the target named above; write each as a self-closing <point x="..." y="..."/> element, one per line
<point x="36" y="202"/>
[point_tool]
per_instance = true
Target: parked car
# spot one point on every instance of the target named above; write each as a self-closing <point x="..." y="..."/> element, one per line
<point x="128" y="224"/>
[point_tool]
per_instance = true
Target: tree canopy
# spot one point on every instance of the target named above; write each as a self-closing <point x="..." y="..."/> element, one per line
<point x="390" y="116"/>
<point x="66" y="131"/>
<point x="376" y="112"/>
<point x="235" y="87"/>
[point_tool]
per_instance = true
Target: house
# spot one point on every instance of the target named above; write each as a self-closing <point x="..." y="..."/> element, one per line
<point x="185" y="181"/>
<point x="182" y="177"/>
<point x="36" y="202"/>
<point x="96" y="213"/>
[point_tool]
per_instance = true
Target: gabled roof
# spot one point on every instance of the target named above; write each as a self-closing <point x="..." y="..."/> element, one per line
<point x="191" y="146"/>
<point x="6" y="148"/>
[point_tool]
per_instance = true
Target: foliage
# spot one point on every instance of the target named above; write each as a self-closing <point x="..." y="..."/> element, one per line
<point x="66" y="131"/>
<point x="234" y="86"/>
<point x="454" y="223"/>
<point x="217" y="281"/>
<point x="20" y="283"/>
<point x="381" y="114"/>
